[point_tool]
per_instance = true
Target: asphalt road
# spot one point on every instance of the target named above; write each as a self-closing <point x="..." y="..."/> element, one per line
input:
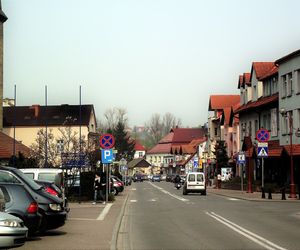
<point x="157" y="216"/>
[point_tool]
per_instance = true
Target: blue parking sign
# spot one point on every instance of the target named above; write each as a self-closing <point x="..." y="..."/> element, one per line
<point x="107" y="156"/>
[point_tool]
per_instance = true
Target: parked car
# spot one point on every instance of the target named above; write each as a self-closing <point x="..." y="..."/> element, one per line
<point x="195" y="183"/>
<point x="182" y="178"/>
<point x="169" y="178"/>
<point x="163" y="177"/>
<point x="156" y="177"/>
<point x="52" y="179"/>
<point x="118" y="185"/>
<point x="50" y="206"/>
<point x="13" y="232"/>
<point x="20" y="203"/>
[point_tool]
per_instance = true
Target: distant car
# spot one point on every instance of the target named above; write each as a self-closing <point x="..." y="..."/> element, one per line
<point x="169" y="178"/>
<point x="50" y="206"/>
<point x="137" y="178"/>
<point x="20" y="203"/>
<point x="156" y="178"/>
<point x="195" y="183"/>
<point x="13" y="232"/>
<point x="163" y="177"/>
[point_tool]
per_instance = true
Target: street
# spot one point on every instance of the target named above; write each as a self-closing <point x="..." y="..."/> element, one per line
<point x="157" y="216"/>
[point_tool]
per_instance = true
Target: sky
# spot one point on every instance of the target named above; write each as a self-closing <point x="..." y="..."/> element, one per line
<point x="146" y="56"/>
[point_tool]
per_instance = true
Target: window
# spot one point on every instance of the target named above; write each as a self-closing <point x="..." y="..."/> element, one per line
<point x="216" y="131"/>
<point x="192" y="177"/>
<point x="284" y="86"/>
<point x="297" y="76"/>
<point x="199" y="177"/>
<point x="8" y="178"/>
<point x="268" y="125"/>
<point x="140" y="154"/>
<point x="289" y="84"/>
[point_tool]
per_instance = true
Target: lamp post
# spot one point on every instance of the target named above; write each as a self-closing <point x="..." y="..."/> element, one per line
<point x="284" y="113"/>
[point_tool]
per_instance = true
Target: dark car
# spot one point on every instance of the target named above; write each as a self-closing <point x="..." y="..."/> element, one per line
<point x="50" y="206"/>
<point x="118" y="185"/>
<point x="20" y="203"/>
<point x="138" y="178"/>
<point x="51" y="188"/>
<point x="169" y="178"/>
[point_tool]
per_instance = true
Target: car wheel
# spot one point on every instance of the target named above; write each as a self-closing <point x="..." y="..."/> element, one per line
<point x="184" y="192"/>
<point x="203" y="193"/>
<point x="114" y="191"/>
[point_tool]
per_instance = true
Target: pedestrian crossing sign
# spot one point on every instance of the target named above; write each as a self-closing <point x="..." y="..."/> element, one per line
<point x="262" y="150"/>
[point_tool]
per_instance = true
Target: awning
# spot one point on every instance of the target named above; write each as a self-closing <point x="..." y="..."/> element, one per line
<point x="296" y="149"/>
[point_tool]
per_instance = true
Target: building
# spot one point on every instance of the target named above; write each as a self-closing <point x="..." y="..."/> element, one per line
<point x="222" y="126"/>
<point x="139" y="149"/>
<point x="163" y="158"/>
<point x="62" y="123"/>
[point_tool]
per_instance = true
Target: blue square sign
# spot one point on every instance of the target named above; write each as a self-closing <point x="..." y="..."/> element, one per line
<point x="107" y="156"/>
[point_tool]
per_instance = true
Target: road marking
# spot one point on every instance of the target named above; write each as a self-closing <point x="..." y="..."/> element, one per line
<point x="82" y="219"/>
<point x="133" y="200"/>
<point x="152" y="200"/>
<point x="134" y="189"/>
<point x="168" y="193"/>
<point x="248" y="234"/>
<point x="233" y="199"/>
<point x="104" y="212"/>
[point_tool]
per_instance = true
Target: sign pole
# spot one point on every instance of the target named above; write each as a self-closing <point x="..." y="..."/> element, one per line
<point x="262" y="173"/>
<point x="242" y="176"/>
<point x="107" y="183"/>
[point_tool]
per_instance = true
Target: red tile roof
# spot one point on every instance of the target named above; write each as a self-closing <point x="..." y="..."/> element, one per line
<point x="247" y="79"/>
<point x="138" y="146"/>
<point x="296" y="149"/>
<point x="259" y="103"/>
<point x="262" y="69"/>
<point x="179" y="137"/>
<point x="218" y="102"/>
<point x="6" y="147"/>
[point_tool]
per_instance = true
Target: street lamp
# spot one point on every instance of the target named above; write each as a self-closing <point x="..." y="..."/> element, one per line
<point x="285" y="114"/>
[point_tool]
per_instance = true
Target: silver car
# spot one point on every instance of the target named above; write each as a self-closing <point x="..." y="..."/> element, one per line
<point x="13" y="233"/>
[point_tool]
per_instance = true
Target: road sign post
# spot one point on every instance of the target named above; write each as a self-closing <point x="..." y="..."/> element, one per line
<point x="241" y="161"/>
<point x="263" y="136"/>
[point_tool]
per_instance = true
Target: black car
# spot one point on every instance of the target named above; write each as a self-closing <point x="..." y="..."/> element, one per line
<point x="50" y="206"/>
<point x="118" y="185"/>
<point x="20" y="203"/>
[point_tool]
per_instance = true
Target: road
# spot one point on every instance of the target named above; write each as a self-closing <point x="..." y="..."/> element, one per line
<point x="157" y="216"/>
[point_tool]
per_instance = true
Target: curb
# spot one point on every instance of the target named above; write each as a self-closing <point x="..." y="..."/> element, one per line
<point x="117" y="226"/>
<point x="252" y="199"/>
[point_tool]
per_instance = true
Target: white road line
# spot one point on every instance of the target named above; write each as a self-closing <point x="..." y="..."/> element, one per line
<point x="168" y="193"/>
<point x="248" y="234"/>
<point x="104" y="212"/>
<point x="233" y="199"/>
<point x="133" y="200"/>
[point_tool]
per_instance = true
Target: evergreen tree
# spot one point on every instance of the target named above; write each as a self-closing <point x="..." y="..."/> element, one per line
<point x="221" y="155"/>
<point x="123" y="143"/>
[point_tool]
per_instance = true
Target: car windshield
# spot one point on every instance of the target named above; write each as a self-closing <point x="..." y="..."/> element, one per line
<point x="28" y="180"/>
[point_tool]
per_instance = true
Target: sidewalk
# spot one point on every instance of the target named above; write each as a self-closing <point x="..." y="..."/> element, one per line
<point x="244" y="195"/>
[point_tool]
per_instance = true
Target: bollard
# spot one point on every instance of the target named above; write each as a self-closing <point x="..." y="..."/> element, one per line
<point x="270" y="194"/>
<point x="283" y="193"/>
<point x="263" y="195"/>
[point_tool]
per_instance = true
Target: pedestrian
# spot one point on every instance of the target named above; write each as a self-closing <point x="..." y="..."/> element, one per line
<point x="97" y="187"/>
<point x="103" y="188"/>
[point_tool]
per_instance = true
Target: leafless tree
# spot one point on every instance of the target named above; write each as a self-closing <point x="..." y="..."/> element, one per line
<point x="112" y="117"/>
<point x="169" y="122"/>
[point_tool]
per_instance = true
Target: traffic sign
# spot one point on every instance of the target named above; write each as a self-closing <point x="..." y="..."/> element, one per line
<point x="262" y="135"/>
<point x="241" y="158"/>
<point x="262" y="149"/>
<point x="107" y="141"/>
<point x="107" y="156"/>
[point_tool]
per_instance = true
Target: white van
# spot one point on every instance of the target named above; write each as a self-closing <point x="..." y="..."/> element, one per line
<point x="194" y="183"/>
<point x="46" y="174"/>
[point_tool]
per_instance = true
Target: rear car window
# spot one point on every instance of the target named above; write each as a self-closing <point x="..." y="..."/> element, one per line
<point x="191" y="177"/>
<point x="8" y="177"/>
<point x="46" y="176"/>
<point x="199" y="177"/>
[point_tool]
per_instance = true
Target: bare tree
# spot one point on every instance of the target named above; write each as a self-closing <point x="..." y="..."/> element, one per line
<point x="169" y="122"/>
<point x="112" y="117"/>
<point x="158" y="127"/>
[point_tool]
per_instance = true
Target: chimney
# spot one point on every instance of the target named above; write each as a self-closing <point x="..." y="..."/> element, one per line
<point x="37" y="110"/>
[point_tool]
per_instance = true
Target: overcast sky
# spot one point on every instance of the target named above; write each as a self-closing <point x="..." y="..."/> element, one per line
<point x="147" y="56"/>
